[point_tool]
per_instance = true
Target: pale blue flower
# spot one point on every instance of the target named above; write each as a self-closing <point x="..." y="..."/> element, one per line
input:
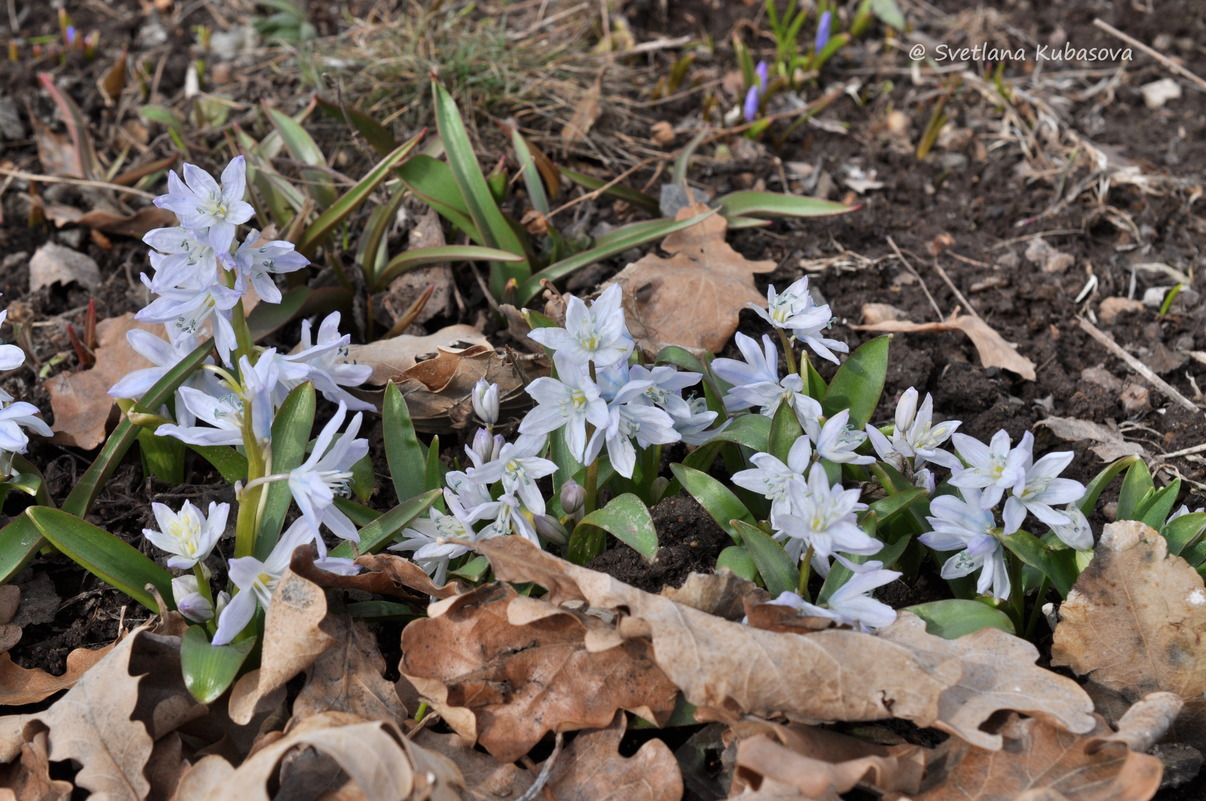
<point x="964" y="524"/>
<point x="203" y="205"/>
<point x="259" y="260"/>
<point x="188" y="535"/>
<point x="595" y="334"/>
<point x="327" y="472"/>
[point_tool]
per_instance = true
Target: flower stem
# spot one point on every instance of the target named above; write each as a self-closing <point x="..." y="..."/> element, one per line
<point x="238" y="320"/>
<point x="805" y="574"/>
<point x="788" y="351"/>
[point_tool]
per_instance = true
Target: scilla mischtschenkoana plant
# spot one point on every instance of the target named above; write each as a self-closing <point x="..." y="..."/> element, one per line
<point x="825" y="506"/>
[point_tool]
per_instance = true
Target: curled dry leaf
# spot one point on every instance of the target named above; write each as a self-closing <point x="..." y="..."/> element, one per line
<point x="29" y="778"/>
<point x="1108" y="444"/>
<point x="19" y="686"/>
<point x="592" y="769"/>
<point x="293" y="639"/>
<point x="56" y="264"/>
<point x="376" y="757"/>
<point x="1135" y="622"/>
<point x="993" y="349"/>
<point x="486" y="778"/>
<point x="1144" y="724"/>
<point x="827" y="675"/>
<point x="133" y="225"/>
<point x="347" y="676"/>
<point x="820" y="763"/>
<point x="93" y="725"/>
<point x="694" y="297"/>
<point x="1040" y="761"/>
<point x="391" y="357"/>
<point x="81" y="401"/>
<point x="383" y="574"/>
<point x="506" y="684"/>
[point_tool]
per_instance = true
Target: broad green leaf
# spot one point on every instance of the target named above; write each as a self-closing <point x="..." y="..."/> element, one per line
<point x="388" y="526"/>
<point x="290" y="435"/>
<point x="358" y="513"/>
<point x="20" y="540"/>
<point x="1059" y="565"/>
<point x="411" y="259"/>
<point x="772" y="204"/>
<point x="737" y="559"/>
<point x="585" y="543"/>
<point x="495" y="230"/>
<point x="784" y="431"/>
<point x="627" y="519"/>
<point x="1183" y="532"/>
<point x="79" y="501"/>
<point x="1154" y="510"/>
<point x="887" y="508"/>
<point x="715" y="497"/>
<point x="648" y="203"/>
<point x="107" y="557"/>
<point x="955" y="617"/>
<point x="403" y="452"/>
<point x="303" y="148"/>
<point x="859" y="382"/>
<point x="325" y="223"/>
<point x="434" y="471"/>
<point x="617" y="242"/>
<point x="162" y="457"/>
<point x="1099" y="482"/>
<point x="231" y="464"/>
<point x="430" y="180"/>
<point x="888" y="13"/>
<point x="210" y="669"/>
<point x="682" y="358"/>
<point x="1136" y="487"/>
<point x="27" y="478"/>
<point x="814" y="385"/>
<point x="473" y="571"/>
<point x="777" y="569"/>
<point x="750" y="430"/>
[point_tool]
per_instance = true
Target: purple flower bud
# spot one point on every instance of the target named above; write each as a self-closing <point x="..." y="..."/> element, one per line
<point x="551" y="529"/>
<point x="763" y="73"/>
<point x="573" y="495"/>
<point x="823" y="30"/>
<point x="751" y="104"/>
<point x="69" y="35"/>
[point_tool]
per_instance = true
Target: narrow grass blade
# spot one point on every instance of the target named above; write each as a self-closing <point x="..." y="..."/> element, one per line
<point x="267" y="318"/>
<point x="303" y="148"/>
<point x="110" y="559"/>
<point x="369" y="252"/>
<point x="411" y="259"/>
<point x="645" y="202"/>
<point x="773" y="204"/>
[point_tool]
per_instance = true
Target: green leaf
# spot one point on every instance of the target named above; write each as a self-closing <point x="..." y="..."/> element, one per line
<point x="303" y="148"/>
<point x="682" y="358"/>
<point x="107" y="557"/>
<point x="616" y="242"/>
<point x="1059" y="565"/>
<point x="750" y="430"/>
<point x="20" y="541"/>
<point x="627" y="519"/>
<point x="431" y="181"/>
<point x="358" y="513"/>
<point x="434" y="471"/>
<point x="386" y="527"/>
<point x="162" y="457"/>
<point x="887" y="508"/>
<point x="290" y="435"/>
<point x="231" y="464"/>
<point x="585" y="543"/>
<point x="737" y="559"/>
<point x="1099" y="482"/>
<point x="79" y="501"/>
<point x="411" y="259"/>
<point x="1181" y="533"/>
<point x="529" y="172"/>
<point x="495" y="230"/>
<point x="267" y="318"/>
<point x="403" y="452"/>
<point x="777" y="569"/>
<point x="715" y="497"/>
<point x="1136" y="486"/>
<point x="473" y="571"/>
<point x="369" y="252"/>
<point x="27" y="478"/>
<point x="784" y="432"/>
<point x="859" y="382"/>
<point x="351" y="200"/>
<point x="210" y="669"/>
<point x="773" y="204"/>
<point x="1155" y="510"/>
<point x="888" y="13"/>
<point x="955" y="617"/>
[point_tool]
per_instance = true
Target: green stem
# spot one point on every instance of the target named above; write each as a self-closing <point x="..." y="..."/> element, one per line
<point x="1037" y="610"/>
<point x="238" y="320"/>
<point x="1017" y="595"/>
<point x="788" y="351"/>
<point x="250" y="500"/>
<point x="805" y="574"/>
<point x="590" y="484"/>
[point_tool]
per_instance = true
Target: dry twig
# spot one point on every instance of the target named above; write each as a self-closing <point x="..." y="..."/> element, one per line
<point x="1139" y="367"/>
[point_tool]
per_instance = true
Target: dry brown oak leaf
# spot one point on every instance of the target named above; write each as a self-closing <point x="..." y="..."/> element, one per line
<point x="592" y="769"/>
<point x="347" y="676"/>
<point x="694" y="297"/>
<point x="831" y="675"/>
<point x="506" y="684"/>
<point x="1135" y="622"/>
<point x="1042" y="763"/>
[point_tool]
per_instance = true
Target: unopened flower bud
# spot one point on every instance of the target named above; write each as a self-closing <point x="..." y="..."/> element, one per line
<point x="551" y="529"/>
<point x="573" y="495"/>
<point x="191" y="603"/>
<point x="485" y="401"/>
<point x="486" y="446"/>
